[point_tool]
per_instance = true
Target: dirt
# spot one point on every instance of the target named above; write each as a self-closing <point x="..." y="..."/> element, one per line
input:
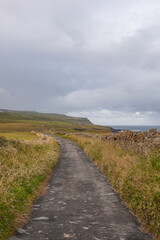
<point x="79" y="204"/>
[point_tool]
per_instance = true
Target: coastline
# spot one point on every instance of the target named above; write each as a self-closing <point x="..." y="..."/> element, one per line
<point x="134" y="128"/>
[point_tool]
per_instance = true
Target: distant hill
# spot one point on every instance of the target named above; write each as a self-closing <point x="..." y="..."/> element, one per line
<point x="26" y="121"/>
<point x="13" y="115"/>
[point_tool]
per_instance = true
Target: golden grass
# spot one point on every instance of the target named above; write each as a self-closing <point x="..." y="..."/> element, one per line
<point x="18" y="135"/>
<point x="23" y="166"/>
<point x="136" y="179"/>
<point x="26" y="126"/>
<point x="43" y="126"/>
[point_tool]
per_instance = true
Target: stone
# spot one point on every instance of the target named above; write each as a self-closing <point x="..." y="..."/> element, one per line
<point x="36" y="205"/>
<point x="85" y="228"/>
<point x="51" y="199"/>
<point x="71" y="222"/>
<point x="21" y="231"/>
<point x="65" y="235"/>
<point x="40" y="219"/>
<point x="153" y="130"/>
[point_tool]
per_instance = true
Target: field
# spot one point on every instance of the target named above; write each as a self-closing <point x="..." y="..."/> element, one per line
<point x="43" y="122"/>
<point x="135" y="178"/>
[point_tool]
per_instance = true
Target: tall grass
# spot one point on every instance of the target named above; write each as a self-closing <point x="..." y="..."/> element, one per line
<point x="23" y="166"/>
<point x="137" y="179"/>
<point x="18" y="135"/>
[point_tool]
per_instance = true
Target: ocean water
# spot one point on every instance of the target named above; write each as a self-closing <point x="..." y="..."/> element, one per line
<point x="135" y="128"/>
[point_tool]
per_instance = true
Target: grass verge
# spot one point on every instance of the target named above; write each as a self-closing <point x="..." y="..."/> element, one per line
<point x="135" y="178"/>
<point x="24" y="165"/>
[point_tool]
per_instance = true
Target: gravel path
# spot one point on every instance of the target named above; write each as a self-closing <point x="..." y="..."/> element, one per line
<point x="79" y="204"/>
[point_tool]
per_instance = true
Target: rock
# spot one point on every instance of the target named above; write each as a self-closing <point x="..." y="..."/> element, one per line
<point x="65" y="235"/>
<point x="71" y="222"/>
<point x="40" y="219"/>
<point x="153" y="130"/>
<point x="85" y="228"/>
<point x="36" y="205"/>
<point x="21" y="231"/>
<point x="110" y="194"/>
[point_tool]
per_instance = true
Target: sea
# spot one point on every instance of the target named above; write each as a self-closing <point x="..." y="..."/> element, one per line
<point x="135" y="128"/>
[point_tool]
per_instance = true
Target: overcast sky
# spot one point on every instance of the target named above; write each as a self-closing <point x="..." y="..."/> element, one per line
<point x="93" y="58"/>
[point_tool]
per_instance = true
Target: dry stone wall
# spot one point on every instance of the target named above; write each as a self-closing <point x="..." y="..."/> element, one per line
<point x="140" y="142"/>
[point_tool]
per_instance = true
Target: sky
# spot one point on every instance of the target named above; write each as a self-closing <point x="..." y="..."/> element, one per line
<point x="91" y="58"/>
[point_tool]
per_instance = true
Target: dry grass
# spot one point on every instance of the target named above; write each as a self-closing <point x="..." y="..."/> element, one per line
<point x="23" y="166"/>
<point x="22" y="126"/>
<point x="136" y="179"/>
<point x="18" y="135"/>
<point x="60" y="125"/>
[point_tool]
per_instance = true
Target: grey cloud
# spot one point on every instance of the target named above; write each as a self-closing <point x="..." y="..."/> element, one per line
<point x="110" y="118"/>
<point x="68" y="56"/>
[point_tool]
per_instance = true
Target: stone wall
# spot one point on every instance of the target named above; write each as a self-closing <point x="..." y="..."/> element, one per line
<point x="140" y="142"/>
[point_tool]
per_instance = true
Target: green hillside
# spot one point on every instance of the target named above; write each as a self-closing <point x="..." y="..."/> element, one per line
<point x="34" y="121"/>
<point x="13" y="116"/>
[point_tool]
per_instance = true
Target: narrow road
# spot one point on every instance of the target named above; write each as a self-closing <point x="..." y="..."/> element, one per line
<point x="79" y="204"/>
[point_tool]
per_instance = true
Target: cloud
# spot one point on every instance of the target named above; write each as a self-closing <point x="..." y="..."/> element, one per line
<point x="4" y="98"/>
<point x="2" y="91"/>
<point x="111" y="99"/>
<point x="68" y="56"/>
<point x="111" y="118"/>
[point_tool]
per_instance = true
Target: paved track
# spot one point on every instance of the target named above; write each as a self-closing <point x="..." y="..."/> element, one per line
<point x="80" y="204"/>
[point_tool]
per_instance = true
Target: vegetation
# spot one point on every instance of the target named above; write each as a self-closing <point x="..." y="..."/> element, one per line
<point x="14" y="116"/>
<point x="24" y="165"/>
<point x="18" y="135"/>
<point x="137" y="179"/>
<point x="12" y="121"/>
<point x="26" y="159"/>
